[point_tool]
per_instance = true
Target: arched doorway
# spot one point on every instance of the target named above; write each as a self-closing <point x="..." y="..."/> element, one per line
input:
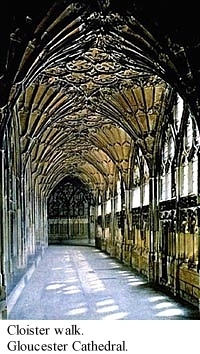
<point x="70" y="213"/>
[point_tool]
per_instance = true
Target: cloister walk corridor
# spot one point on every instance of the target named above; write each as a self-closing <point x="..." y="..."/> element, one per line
<point x="99" y="160"/>
<point x="83" y="283"/>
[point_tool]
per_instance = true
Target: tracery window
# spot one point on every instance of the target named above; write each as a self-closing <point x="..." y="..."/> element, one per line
<point x="108" y="203"/>
<point x="178" y="111"/>
<point x="136" y="185"/>
<point x="68" y="210"/>
<point x="189" y="159"/>
<point x="188" y="190"/>
<point x="118" y="197"/>
<point x="167" y="170"/>
<point x="145" y="183"/>
<point x="99" y="211"/>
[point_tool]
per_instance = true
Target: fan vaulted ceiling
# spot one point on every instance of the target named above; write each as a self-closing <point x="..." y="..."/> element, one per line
<point x="90" y="83"/>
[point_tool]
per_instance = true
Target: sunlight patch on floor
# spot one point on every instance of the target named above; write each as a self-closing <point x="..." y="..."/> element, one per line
<point x="132" y="280"/>
<point x="78" y="311"/>
<point x="130" y="277"/>
<point x="105" y="302"/>
<point x="137" y="283"/>
<point x="55" y="286"/>
<point x="114" y="265"/>
<point x="163" y="305"/>
<point x="170" y="312"/>
<point x="104" y="255"/>
<point x="107" y="309"/>
<point x="156" y="298"/>
<point x="72" y="291"/>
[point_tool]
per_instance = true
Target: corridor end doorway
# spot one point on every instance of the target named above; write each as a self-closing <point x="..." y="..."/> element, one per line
<point x="70" y="213"/>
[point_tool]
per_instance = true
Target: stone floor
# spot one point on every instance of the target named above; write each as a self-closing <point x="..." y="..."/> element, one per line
<point x="82" y="283"/>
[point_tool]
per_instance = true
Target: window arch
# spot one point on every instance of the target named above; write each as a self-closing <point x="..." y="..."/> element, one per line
<point x="136" y="184"/>
<point x="167" y="166"/>
<point x="189" y="158"/>
<point x="118" y="199"/>
<point x="145" y="199"/>
<point x="177" y="112"/>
